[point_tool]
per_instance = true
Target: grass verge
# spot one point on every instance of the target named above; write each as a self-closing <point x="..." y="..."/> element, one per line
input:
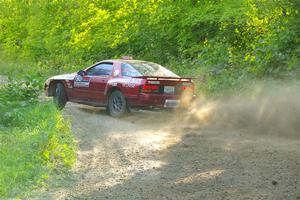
<point x="35" y="140"/>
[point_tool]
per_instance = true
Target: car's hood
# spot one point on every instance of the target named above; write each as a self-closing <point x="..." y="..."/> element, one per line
<point x="64" y="77"/>
<point x="61" y="77"/>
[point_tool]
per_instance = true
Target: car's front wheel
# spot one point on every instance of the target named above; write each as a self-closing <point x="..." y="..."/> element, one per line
<point x="116" y="104"/>
<point x="60" y="97"/>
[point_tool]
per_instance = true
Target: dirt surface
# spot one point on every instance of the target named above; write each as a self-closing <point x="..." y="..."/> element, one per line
<point x="236" y="149"/>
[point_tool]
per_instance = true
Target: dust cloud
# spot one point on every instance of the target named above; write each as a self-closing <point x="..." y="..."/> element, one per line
<point x="269" y="109"/>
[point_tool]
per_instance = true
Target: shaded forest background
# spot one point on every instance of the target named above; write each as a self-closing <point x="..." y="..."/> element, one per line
<point x="220" y="42"/>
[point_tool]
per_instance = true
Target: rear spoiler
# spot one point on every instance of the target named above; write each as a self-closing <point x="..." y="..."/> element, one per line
<point x="164" y="78"/>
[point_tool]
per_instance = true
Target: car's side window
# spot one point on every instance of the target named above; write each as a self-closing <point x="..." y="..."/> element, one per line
<point x="102" y="69"/>
<point x="128" y="70"/>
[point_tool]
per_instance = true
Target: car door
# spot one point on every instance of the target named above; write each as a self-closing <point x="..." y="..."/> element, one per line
<point x="99" y="76"/>
<point x="81" y="86"/>
<point x="90" y="87"/>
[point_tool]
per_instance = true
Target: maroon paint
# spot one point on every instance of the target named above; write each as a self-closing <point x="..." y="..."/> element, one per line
<point x="100" y="86"/>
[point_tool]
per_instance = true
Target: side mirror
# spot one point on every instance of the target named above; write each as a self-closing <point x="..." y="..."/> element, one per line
<point x="81" y="73"/>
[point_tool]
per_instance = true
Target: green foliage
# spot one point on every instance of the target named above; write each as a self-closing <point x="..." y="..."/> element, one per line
<point x="34" y="139"/>
<point x="255" y="38"/>
<point x="219" y="43"/>
<point x="14" y="98"/>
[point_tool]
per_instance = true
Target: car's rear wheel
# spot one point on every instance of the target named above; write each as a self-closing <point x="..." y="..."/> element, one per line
<point x="116" y="104"/>
<point x="60" y="97"/>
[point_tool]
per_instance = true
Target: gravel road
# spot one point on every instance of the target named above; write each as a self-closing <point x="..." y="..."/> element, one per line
<point x="252" y="152"/>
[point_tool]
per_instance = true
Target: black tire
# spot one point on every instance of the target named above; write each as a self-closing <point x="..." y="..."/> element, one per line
<point x="60" y="97"/>
<point x="128" y="108"/>
<point x="116" y="104"/>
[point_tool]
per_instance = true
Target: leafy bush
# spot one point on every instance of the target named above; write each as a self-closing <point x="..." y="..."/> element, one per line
<point x="34" y="138"/>
<point x="15" y="97"/>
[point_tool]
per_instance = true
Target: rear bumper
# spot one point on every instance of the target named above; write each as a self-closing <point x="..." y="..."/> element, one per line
<point x="155" y="100"/>
<point x="172" y="103"/>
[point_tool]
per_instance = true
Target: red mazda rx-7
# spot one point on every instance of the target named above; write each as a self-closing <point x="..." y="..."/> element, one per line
<point x="121" y="84"/>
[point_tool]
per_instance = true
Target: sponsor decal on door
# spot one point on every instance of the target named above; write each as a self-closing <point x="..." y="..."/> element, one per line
<point x="82" y="81"/>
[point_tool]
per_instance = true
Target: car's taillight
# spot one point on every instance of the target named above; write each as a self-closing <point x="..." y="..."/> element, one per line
<point x="184" y="87"/>
<point x="149" y="88"/>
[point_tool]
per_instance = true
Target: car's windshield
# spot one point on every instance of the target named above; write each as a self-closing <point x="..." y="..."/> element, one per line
<point x="143" y="68"/>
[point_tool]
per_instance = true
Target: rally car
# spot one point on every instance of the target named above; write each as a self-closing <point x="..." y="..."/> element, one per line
<point x="120" y="85"/>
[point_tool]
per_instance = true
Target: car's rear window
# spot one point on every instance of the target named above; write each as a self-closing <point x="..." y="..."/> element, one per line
<point x="143" y="68"/>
